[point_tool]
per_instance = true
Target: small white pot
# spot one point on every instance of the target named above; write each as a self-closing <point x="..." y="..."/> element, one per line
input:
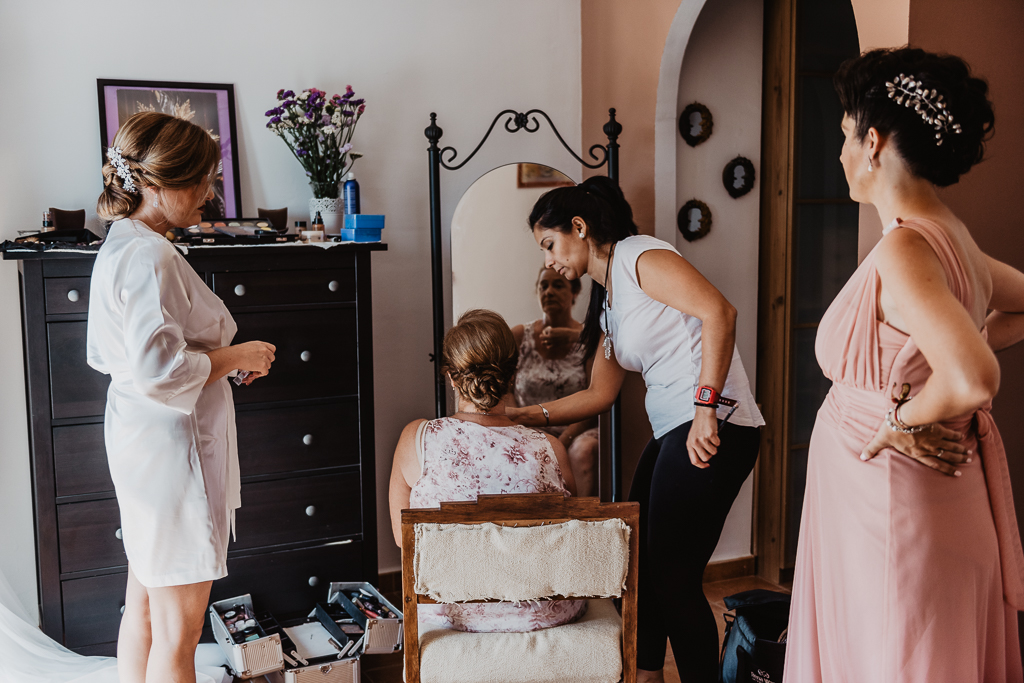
<point x="332" y="211"/>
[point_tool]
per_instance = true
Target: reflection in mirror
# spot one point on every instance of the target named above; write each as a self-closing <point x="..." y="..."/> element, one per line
<point x="497" y="265"/>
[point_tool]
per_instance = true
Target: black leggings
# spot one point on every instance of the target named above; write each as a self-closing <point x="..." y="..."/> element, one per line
<point x="682" y="512"/>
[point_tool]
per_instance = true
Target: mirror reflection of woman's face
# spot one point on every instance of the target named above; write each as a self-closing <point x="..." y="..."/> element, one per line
<point x="564" y="252"/>
<point x="554" y="292"/>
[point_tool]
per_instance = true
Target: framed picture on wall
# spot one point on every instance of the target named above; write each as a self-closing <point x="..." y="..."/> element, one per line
<point x="211" y="106"/>
<point x="539" y="175"/>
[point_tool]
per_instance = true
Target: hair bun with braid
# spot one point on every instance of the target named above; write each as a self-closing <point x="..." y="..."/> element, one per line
<point x="481" y="356"/>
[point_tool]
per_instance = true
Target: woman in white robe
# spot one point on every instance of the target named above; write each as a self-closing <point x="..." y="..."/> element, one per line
<point x="164" y="338"/>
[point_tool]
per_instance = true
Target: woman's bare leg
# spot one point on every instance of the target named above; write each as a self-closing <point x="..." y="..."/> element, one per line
<point x="583" y="459"/>
<point x="134" y="637"/>
<point x="176" y="615"/>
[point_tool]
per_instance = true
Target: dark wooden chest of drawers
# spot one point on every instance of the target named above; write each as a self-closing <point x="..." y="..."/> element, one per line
<point x="305" y="435"/>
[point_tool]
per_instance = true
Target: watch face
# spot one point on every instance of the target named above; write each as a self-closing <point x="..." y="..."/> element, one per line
<point x="704" y="394"/>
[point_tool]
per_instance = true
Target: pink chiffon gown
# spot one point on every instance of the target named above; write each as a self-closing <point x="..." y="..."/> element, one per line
<point x="903" y="574"/>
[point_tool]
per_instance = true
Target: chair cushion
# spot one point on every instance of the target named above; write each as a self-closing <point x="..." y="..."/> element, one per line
<point x="460" y="562"/>
<point x="587" y="651"/>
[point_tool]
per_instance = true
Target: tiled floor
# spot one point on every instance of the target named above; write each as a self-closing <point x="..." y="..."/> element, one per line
<point x="388" y="668"/>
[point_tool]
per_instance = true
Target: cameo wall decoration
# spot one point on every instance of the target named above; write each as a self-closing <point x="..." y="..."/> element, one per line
<point x="738" y="177"/>
<point x="694" y="220"/>
<point x="695" y="124"/>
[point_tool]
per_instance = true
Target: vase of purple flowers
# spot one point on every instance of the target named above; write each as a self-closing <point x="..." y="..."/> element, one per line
<point x="319" y="131"/>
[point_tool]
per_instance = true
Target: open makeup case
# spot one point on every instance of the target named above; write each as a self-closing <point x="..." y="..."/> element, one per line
<point x="324" y="646"/>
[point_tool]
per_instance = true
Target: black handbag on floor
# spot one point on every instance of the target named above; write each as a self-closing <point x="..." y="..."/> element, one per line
<point x="754" y="648"/>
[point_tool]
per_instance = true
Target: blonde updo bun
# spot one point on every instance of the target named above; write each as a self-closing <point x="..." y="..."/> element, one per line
<point x="480" y="355"/>
<point x="161" y="151"/>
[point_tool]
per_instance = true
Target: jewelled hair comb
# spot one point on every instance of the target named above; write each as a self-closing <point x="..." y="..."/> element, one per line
<point x="121" y="166"/>
<point x="909" y="92"/>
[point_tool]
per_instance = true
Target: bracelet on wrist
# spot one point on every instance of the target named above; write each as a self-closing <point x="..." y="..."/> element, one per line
<point x="547" y="415"/>
<point x="892" y="424"/>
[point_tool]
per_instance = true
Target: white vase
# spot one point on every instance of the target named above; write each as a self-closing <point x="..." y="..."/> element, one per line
<point x="332" y="212"/>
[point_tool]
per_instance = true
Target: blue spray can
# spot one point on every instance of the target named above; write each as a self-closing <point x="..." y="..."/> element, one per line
<point x="350" y="193"/>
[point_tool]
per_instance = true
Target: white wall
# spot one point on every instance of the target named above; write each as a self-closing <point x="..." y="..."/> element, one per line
<point x="495" y="260"/>
<point x="464" y="59"/>
<point x="722" y="70"/>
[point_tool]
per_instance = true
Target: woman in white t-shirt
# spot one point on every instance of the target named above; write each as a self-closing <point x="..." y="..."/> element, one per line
<point x="654" y="313"/>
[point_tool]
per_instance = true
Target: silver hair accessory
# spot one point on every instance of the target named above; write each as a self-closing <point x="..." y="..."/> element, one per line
<point x="907" y="91"/>
<point x="121" y="166"/>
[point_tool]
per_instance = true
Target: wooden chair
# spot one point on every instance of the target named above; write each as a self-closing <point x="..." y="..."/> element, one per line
<point x="527" y="510"/>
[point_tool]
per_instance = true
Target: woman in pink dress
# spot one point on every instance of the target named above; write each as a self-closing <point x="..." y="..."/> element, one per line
<point x="480" y="450"/>
<point x="909" y="566"/>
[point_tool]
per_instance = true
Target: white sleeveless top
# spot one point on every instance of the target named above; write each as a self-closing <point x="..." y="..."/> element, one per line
<point x="663" y="344"/>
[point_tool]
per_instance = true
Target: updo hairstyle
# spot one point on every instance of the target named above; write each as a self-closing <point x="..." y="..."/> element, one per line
<point x="575" y="286"/>
<point x="599" y="201"/>
<point x="161" y="151"/>
<point x="861" y="84"/>
<point x="480" y="355"/>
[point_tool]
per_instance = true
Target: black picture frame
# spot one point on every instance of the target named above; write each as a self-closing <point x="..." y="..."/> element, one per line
<point x="215" y="113"/>
<point x="746" y="178"/>
<point x="707" y="123"/>
<point x="683" y="220"/>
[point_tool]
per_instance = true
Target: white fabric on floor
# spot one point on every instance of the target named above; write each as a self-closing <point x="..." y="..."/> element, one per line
<point x="27" y="655"/>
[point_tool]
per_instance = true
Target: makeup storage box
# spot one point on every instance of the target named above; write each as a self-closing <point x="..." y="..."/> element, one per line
<point x="362" y="227"/>
<point x="248" y="659"/>
<point x="381" y="635"/>
<point x="316" y="649"/>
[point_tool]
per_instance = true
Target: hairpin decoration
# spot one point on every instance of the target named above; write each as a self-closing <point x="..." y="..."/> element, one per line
<point x="121" y="166"/>
<point x="909" y="92"/>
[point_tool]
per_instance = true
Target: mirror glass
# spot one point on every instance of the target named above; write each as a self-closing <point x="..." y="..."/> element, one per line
<point x="495" y="260"/>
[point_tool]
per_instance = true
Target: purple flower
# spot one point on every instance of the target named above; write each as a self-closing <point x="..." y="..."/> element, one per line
<point x="287" y="103"/>
<point x="356" y="103"/>
<point x="301" y="152"/>
<point x="309" y="114"/>
<point x="276" y="119"/>
<point x="348" y="112"/>
<point x="274" y="112"/>
<point x="288" y="93"/>
<point x="325" y="119"/>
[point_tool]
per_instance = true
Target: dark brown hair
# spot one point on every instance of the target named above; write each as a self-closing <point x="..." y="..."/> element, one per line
<point x="161" y="151"/>
<point x="861" y="84"/>
<point x="480" y="355"/>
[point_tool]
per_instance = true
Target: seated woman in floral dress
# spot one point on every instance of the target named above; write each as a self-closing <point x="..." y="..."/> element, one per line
<point x="479" y="450"/>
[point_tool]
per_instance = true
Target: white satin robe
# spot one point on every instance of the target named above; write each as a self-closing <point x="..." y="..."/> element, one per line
<point x="171" y="442"/>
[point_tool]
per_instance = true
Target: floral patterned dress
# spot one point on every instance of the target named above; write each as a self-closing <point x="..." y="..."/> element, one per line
<point x="540" y="379"/>
<point x="460" y="460"/>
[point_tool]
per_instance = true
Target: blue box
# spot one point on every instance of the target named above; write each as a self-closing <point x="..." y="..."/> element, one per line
<point x="361" y="221"/>
<point x="361" y="235"/>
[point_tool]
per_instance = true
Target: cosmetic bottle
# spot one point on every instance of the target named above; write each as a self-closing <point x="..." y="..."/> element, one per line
<point x="48" y="220"/>
<point x="350" y="192"/>
<point x="318" y="222"/>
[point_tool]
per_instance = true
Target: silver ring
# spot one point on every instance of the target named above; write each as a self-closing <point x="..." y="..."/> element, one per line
<point x="939" y="454"/>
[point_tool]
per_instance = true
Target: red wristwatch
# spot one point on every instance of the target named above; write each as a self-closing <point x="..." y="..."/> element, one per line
<point x="706" y="396"/>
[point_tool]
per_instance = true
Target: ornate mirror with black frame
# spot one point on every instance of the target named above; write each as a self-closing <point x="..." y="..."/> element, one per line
<point x="513" y="284"/>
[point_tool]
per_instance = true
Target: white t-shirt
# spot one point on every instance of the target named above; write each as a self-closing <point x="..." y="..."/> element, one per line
<point x="663" y="344"/>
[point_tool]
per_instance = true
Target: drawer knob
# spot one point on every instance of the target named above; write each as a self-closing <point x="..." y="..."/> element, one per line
<point x="310" y="511"/>
<point x="308" y="439"/>
<point x="333" y="285"/>
<point x="74" y="296"/>
<point x="313" y="581"/>
<point x="122" y="609"/>
<point x="305" y="356"/>
<point x="118" y="535"/>
<point x="239" y="290"/>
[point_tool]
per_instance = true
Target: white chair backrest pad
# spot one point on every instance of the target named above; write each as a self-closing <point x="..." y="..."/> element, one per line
<point x="459" y="562"/>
